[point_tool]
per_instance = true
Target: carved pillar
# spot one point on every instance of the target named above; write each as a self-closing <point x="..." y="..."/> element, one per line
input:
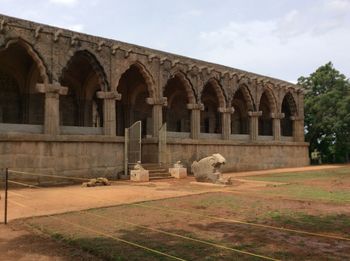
<point x="157" y="113"/>
<point x="109" y="117"/>
<point x="276" y="118"/>
<point x="254" y="124"/>
<point x="226" y="121"/>
<point x="52" y="109"/>
<point x="195" y="119"/>
<point x="298" y="128"/>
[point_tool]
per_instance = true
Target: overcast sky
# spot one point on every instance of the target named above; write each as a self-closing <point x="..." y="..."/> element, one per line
<point x="279" y="38"/>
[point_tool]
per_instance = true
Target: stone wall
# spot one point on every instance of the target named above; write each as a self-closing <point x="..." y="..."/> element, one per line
<point x="79" y="156"/>
<point x="240" y="156"/>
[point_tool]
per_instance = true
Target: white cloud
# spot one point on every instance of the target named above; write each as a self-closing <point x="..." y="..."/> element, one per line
<point x="64" y="2"/>
<point x="292" y="45"/>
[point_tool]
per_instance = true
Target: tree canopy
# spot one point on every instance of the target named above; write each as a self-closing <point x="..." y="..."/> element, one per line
<point x="327" y="113"/>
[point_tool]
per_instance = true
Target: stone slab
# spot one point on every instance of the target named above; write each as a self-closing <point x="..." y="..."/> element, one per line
<point x="178" y="173"/>
<point x="139" y="175"/>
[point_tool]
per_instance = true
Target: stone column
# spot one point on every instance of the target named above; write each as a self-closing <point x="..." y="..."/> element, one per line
<point x="226" y="122"/>
<point x="195" y="119"/>
<point x="254" y="124"/>
<point x="298" y="128"/>
<point x="52" y="109"/>
<point x="109" y="117"/>
<point x="157" y="113"/>
<point x="276" y="121"/>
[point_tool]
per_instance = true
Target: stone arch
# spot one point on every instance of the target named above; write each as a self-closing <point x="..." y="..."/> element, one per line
<point x="93" y="61"/>
<point x="32" y="53"/>
<point x="149" y="79"/>
<point x="218" y="90"/>
<point x="186" y="83"/>
<point x="248" y="97"/>
<point x="288" y="96"/>
<point x="271" y="98"/>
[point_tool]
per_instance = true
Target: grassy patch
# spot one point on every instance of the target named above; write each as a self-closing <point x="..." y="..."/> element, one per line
<point x="339" y="173"/>
<point x="306" y="192"/>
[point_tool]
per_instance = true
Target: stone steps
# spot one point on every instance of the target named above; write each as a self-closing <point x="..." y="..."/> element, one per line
<point x="157" y="171"/>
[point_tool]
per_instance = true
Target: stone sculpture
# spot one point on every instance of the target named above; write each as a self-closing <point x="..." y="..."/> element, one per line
<point x="178" y="171"/>
<point x="139" y="173"/>
<point x="97" y="182"/>
<point x="208" y="169"/>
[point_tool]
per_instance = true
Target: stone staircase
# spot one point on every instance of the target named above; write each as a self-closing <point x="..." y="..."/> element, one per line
<point x="157" y="171"/>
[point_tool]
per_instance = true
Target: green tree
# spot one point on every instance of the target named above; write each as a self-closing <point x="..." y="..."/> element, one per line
<point x="327" y="113"/>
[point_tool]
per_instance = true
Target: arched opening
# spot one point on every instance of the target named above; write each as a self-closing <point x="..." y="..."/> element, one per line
<point x="289" y="110"/>
<point x="265" y="120"/>
<point x="210" y="117"/>
<point x="19" y="74"/>
<point x="176" y="114"/>
<point x="81" y="107"/>
<point x="239" y="119"/>
<point x="133" y="107"/>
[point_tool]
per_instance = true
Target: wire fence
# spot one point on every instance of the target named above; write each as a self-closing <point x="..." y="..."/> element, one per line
<point x="10" y="178"/>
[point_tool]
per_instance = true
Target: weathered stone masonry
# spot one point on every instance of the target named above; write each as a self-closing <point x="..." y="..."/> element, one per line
<point x="66" y="97"/>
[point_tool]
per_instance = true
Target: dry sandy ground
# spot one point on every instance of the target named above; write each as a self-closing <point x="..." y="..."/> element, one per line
<point x="17" y="244"/>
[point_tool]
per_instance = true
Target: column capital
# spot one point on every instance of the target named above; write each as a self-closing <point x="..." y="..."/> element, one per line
<point x="195" y="106"/>
<point x="54" y="88"/>
<point x="277" y="115"/>
<point x="226" y="110"/>
<point x="297" y="118"/>
<point x="113" y="95"/>
<point x="163" y="101"/>
<point x="254" y="113"/>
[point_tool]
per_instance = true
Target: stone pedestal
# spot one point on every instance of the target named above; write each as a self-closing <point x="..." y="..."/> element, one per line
<point x="178" y="173"/>
<point x="195" y="119"/>
<point x="52" y="109"/>
<point x="139" y="175"/>
<point x="109" y="118"/>
<point x="254" y="124"/>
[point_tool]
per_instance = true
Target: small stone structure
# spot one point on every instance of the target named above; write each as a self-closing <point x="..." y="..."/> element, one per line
<point x="139" y="173"/>
<point x="178" y="171"/>
<point x="208" y="169"/>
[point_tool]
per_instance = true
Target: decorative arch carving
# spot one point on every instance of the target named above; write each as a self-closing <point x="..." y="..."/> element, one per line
<point x="291" y="103"/>
<point x="219" y="91"/>
<point x="187" y="84"/>
<point x="247" y="96"/>
<point x="145" y="74"/>
<point x="271" y="98"/>
<point x="93" y="61"/>
<point x="32" y="53"/>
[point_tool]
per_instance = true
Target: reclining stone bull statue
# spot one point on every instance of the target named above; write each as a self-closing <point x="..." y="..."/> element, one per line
<point x="208" y="169"/>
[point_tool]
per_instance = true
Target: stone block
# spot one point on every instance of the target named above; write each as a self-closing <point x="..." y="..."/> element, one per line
<point x="178" y="173"/>
<point x="139" y="175"/>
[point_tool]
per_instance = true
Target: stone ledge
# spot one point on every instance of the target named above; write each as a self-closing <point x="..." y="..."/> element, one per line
<point x="59" y="138"/>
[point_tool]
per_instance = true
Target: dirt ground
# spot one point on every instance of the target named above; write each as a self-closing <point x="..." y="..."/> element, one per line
<point x="18" y="244"/>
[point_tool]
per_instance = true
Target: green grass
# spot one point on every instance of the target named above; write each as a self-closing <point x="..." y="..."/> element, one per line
<point x="339" y="173"/>
<point x="305" y="192"/>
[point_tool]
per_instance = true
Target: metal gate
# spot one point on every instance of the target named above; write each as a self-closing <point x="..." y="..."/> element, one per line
<point x="162" y="147"/>
<point x="132" y="148"/>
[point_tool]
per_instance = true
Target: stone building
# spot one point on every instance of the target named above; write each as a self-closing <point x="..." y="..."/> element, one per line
<point x="67" y="97"/>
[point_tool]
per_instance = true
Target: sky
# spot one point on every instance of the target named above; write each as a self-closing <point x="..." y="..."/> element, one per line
<point x="284" y="39"/>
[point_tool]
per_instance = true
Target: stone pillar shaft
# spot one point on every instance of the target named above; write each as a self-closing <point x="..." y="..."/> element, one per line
<point x="52" y="109"/>
<point x="157" y="116"/>
<point x="52" y="114"/>
<point x="254" y="124"/>
<point x="276" y="117"/>
<point x="195" y="119"/>
<point x="298" y="129"/>
<point x="109" y="116"/>
<point x="226" y="122"/>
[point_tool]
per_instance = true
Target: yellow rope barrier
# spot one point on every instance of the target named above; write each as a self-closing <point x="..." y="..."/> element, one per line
<point x="105" y="234"/>
<point x="184" y="237"/>
<point x="46" y="175"/>
<point x="244" y="223"/>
